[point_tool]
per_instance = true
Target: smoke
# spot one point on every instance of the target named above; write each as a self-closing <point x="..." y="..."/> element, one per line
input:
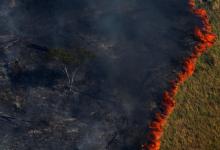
<point x="95" y="138"/>
<point x="7" y="23"/>
<point x="134" y="47"/>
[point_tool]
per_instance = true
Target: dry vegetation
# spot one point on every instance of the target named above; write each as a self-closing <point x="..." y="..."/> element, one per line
<point x="195" y="123"/>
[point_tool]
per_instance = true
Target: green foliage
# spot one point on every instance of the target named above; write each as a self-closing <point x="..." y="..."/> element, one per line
<point x="74" y="57"/>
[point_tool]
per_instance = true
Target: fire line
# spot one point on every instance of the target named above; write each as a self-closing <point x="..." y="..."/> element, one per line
<point x="205" y="39"/>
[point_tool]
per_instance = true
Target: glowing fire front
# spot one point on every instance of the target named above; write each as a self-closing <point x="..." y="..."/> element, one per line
<point x="205" y="39"/>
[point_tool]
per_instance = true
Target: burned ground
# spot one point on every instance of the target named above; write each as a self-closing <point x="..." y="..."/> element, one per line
<point x="100" y="103"/>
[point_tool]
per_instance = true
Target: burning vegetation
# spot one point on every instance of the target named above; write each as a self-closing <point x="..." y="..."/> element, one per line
<point x="205" y="39"/>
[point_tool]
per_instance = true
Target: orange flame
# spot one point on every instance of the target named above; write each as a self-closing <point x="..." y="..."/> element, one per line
<point x="205" y="39"/>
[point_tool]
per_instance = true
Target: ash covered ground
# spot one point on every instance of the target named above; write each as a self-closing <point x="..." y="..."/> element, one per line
<point x="86" y="74"/>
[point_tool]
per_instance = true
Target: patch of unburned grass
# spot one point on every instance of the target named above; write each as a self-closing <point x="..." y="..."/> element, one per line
<point x="195" y="123"/>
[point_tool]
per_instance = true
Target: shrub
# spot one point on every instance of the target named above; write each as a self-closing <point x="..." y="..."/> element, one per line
<point x="73" y="57"/>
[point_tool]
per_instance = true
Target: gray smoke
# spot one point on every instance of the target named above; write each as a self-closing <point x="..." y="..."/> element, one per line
<point x="138" y="45"/>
